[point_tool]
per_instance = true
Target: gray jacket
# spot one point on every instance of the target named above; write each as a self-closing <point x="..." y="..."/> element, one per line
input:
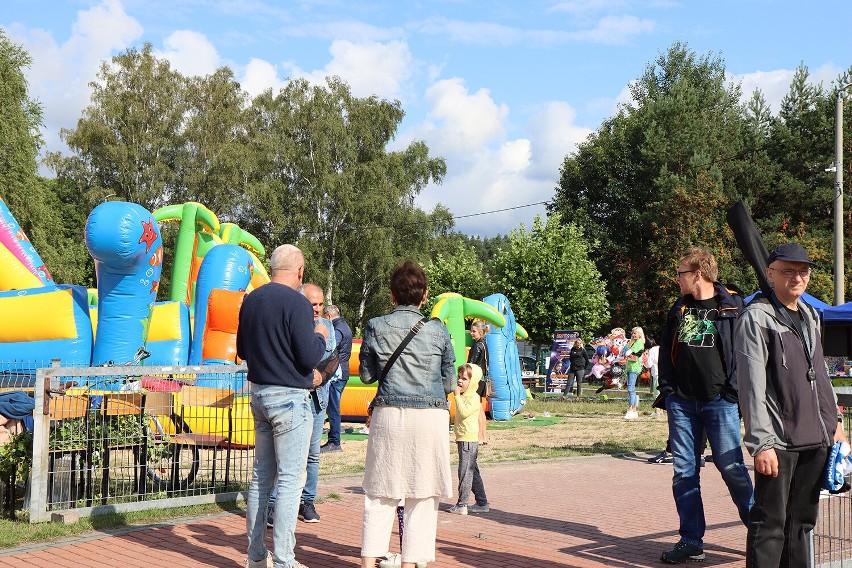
<point x="423" y="374"/>
<point x="782" y="408"/>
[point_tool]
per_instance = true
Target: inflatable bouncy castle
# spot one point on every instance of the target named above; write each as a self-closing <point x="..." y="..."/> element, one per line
<point x="80" y="327"/>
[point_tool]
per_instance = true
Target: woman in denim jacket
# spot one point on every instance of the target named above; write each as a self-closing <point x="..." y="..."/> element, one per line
<point x="408" y="451"/>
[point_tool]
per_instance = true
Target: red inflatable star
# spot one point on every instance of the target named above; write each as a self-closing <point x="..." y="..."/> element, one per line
<point x="149" y="235"/>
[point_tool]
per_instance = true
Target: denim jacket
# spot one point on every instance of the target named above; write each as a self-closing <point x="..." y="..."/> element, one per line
<point x="330" y="344"/>
<point x="423" y="374"/>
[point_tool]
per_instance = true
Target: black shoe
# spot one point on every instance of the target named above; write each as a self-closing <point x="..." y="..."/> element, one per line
<point x="308" y="513"/>
<point x="329" y="447"/>
<point x="702" y="462"/>
<point x="708" y="458"/>
<point x="683" y="553"/>
<point x="663" y="457"/>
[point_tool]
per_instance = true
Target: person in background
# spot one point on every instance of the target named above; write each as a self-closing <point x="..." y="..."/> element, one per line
<point x="408" y="451"/>
<point x="478" y="355"/>
<point x="281" y="345"/>
<point x="633" y="366"/>
<point x="466" y="424"/>
<point x="579" y="359"/>
<point x="650" y="360"/>
<point x="789" y="409"/>
<point x="343" y="335"/>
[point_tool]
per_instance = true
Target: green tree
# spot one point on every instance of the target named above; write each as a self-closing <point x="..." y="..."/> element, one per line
<point x="643" y="180"/>
<point x="326" y="181"/>
<point x="459" y="270"/>
<point x="128" y="141"/>
<point x="550" y="280"/>
<point x="47" y="211"/>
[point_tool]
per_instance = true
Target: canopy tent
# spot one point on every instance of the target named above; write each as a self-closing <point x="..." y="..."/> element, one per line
<point x="837" y="330"/>
<point x="816" y="303"/>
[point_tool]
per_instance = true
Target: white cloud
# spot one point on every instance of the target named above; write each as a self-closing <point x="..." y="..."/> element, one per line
<point x="260" y="75"/>
<point x="459" y="122"/>
<point x="370" y="68"/>
<point x="486" y="171"/>
<point x="357" y="32"/>
<point x="60" y="74"/>
<point x="774" y="85"/>
<point x="554" y="135"/>
<point x="190" y="53"/>
<point x="582" y="7"/>
<point x="615" y="30"/>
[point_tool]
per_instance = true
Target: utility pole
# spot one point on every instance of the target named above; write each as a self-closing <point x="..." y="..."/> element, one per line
<point x="839" y="276"/>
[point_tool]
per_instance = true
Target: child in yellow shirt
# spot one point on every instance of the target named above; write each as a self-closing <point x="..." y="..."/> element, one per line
<point x="466" y="427"/>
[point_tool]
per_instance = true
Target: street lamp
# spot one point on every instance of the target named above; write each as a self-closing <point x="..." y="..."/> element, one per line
<point x="837" y="166"/>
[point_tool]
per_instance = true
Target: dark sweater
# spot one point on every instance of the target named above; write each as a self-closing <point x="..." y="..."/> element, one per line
<point x="344" y="344"/>
<point x="276" y="337"/>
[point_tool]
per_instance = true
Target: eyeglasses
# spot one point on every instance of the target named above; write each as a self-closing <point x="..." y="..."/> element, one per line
<point x="682" y="272"/>
<point x="791" y="272"/>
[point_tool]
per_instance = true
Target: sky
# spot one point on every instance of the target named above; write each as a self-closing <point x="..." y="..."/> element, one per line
<point x="502" y="90"/>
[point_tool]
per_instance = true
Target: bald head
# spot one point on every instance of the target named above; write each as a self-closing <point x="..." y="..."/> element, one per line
<point x="314" y="295"/>
<point x="288" y="265"/>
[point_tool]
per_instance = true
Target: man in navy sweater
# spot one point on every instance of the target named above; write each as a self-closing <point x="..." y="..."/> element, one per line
<point x="278" y="341"/>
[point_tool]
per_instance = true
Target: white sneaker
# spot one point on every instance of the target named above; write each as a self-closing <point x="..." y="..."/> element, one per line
<point x="265" y="563"/>
<point x="458" y="509"/>
<point x="268" y="563"/>
<point x="391" y="560"/>
<point x="631" y="415"/>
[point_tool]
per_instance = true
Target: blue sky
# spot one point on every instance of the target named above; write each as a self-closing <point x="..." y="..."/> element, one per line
<point x="502" y="89"/>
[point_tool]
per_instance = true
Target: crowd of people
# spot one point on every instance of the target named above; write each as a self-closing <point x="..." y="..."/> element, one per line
<point x="718" y="362"/>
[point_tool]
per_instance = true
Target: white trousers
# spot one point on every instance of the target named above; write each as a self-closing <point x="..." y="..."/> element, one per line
<point x="418" y="536"/>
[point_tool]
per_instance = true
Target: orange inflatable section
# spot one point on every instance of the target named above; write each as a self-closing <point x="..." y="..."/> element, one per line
<point x="220" y="334"/>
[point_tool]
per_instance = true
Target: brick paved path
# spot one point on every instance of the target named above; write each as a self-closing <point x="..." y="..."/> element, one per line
<point x="578" y="512"/>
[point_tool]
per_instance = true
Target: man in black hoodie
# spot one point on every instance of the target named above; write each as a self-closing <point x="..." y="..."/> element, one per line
<point x="698" y="377"/>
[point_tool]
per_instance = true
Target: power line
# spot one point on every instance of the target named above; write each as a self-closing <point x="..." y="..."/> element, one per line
<point x="500" y="210"/>
<point x="415" y="223"/>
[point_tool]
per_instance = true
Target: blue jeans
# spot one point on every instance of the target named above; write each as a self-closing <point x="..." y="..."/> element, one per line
<point x="632" y="397"/>
<point x="335" y="393"/>
<point x="720" y="420"/>
<point x="282" y="424"/>
<point x="309" y="493"/>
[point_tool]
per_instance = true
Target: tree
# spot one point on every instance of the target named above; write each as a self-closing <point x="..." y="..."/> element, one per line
<point x="550" y="280"/>
<point x="459" y="271"/>
<point x="679" y="145"/>
<point x="326" y="181"/>
<point x="128" y="141"/>
<point x="48" y="213"/>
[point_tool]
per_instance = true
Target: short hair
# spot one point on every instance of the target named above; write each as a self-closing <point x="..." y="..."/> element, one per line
<point x="310" y="286"/>
<point x="481" y="326"/>
<point x="641" y="332"/>
<point x="408" y="283"/>
<point x="332" y="311"/>
<point x="701" y="259"/>
<point x="286" y="257"/>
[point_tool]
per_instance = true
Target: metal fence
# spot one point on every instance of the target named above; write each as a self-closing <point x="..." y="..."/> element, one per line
<point x="114" y="439"/>
<point x="832" y="535"/>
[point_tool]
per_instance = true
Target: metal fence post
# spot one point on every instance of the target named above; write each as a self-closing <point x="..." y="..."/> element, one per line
<point x="41" y="433"/>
